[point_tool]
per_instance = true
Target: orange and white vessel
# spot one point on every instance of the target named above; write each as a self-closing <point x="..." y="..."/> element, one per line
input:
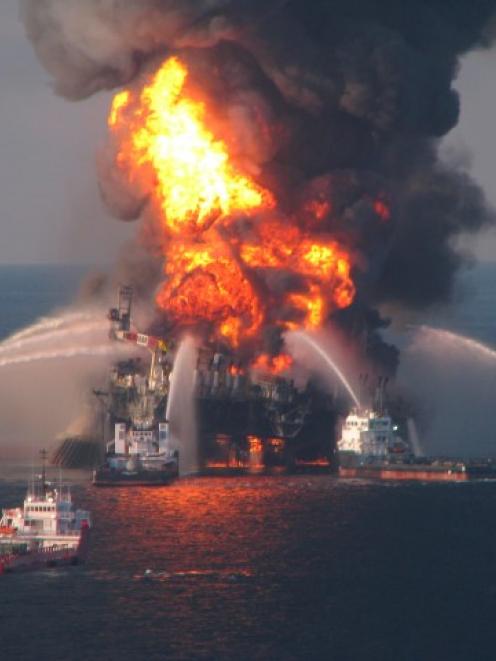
<point x="47" y="531"/>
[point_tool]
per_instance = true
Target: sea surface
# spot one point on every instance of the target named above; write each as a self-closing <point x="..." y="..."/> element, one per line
<point x="260" y="567"/>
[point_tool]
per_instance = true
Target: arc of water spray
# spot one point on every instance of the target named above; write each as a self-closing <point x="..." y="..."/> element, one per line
<point x="56" y="334"/>
<point x="309" y="341"/>
<point x="69" y="352"/>
<point x="460" y="340"/>
<point x="48" y="323"/>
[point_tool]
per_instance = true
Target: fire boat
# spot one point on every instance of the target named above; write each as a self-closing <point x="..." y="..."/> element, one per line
<point x="370" y="446"/>
<point x="45" y="532"/>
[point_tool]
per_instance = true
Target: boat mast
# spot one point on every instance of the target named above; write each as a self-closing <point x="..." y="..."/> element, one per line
<point x="43" y="455"/>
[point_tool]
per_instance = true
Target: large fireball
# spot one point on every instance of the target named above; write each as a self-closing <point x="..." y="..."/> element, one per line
<point x="216" y="272"/>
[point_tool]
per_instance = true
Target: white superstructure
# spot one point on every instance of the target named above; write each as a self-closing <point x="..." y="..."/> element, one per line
<point x="46" y="520"/>
<point x="141" y="448"/>
<point x="368" y="433"/>
<point x="143" y="441"/>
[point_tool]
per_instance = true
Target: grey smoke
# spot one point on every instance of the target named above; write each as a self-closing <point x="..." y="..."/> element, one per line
<point x="89" y="45"/>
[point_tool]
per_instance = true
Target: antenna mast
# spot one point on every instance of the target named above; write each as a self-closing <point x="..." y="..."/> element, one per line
<point x="43" y="455"/>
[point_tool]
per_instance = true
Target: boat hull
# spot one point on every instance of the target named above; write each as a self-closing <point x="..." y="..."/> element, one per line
<point x="104" y="477"/>
<point x="420" y="472"/>
<point x="122" y="471"/>
<point x="47" y="557"/>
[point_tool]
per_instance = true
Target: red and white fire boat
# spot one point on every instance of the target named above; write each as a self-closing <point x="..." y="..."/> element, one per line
<point x="46" y="532"/>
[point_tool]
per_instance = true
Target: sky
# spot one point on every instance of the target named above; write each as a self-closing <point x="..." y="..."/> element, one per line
<point x="50" y="205"/>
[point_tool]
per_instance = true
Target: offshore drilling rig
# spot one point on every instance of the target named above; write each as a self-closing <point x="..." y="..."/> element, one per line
<point x="247" y="415"/>
<point x="133" y="402"/>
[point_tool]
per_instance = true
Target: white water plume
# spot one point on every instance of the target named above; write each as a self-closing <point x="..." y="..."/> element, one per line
<point x="294" y="340"/>
<point x="55" y="335"/>
<point x="47" y="374"/>
<point x="49" y="323"/>
<point x="181" y="413"/>
<point x="457" y="342"/>
<point x="43" y="389"/>
<point x="109" y="349"/>
<point x="453" y="380"/>
<point x="414" y="438"/>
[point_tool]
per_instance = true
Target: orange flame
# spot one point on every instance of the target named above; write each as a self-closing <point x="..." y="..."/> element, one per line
<point x="272" y="364"/>
<point x="205" y="282"/>
<point x="196" y="182"/>
<point x="213" y="273"/>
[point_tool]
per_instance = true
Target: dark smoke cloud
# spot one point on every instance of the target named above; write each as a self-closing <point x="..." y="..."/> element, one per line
<point x="343" y="101"/>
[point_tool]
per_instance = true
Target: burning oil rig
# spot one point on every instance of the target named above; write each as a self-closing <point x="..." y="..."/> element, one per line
<point x="277" y="188"/>
<point x="249" y="415"/>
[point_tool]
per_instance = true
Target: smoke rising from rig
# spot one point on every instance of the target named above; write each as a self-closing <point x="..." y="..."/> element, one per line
<point x="335" y="108"/>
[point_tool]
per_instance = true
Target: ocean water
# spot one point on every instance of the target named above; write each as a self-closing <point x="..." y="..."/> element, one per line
<point x="267" y="568"/>
<point x="261" y="568"/>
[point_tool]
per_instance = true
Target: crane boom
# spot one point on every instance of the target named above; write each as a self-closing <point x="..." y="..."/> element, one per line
<point x="148" y="341"/>
<point x="120" y="318"/>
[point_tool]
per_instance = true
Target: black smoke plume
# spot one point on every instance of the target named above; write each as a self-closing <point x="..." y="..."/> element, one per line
<point x="355" y="96"/>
